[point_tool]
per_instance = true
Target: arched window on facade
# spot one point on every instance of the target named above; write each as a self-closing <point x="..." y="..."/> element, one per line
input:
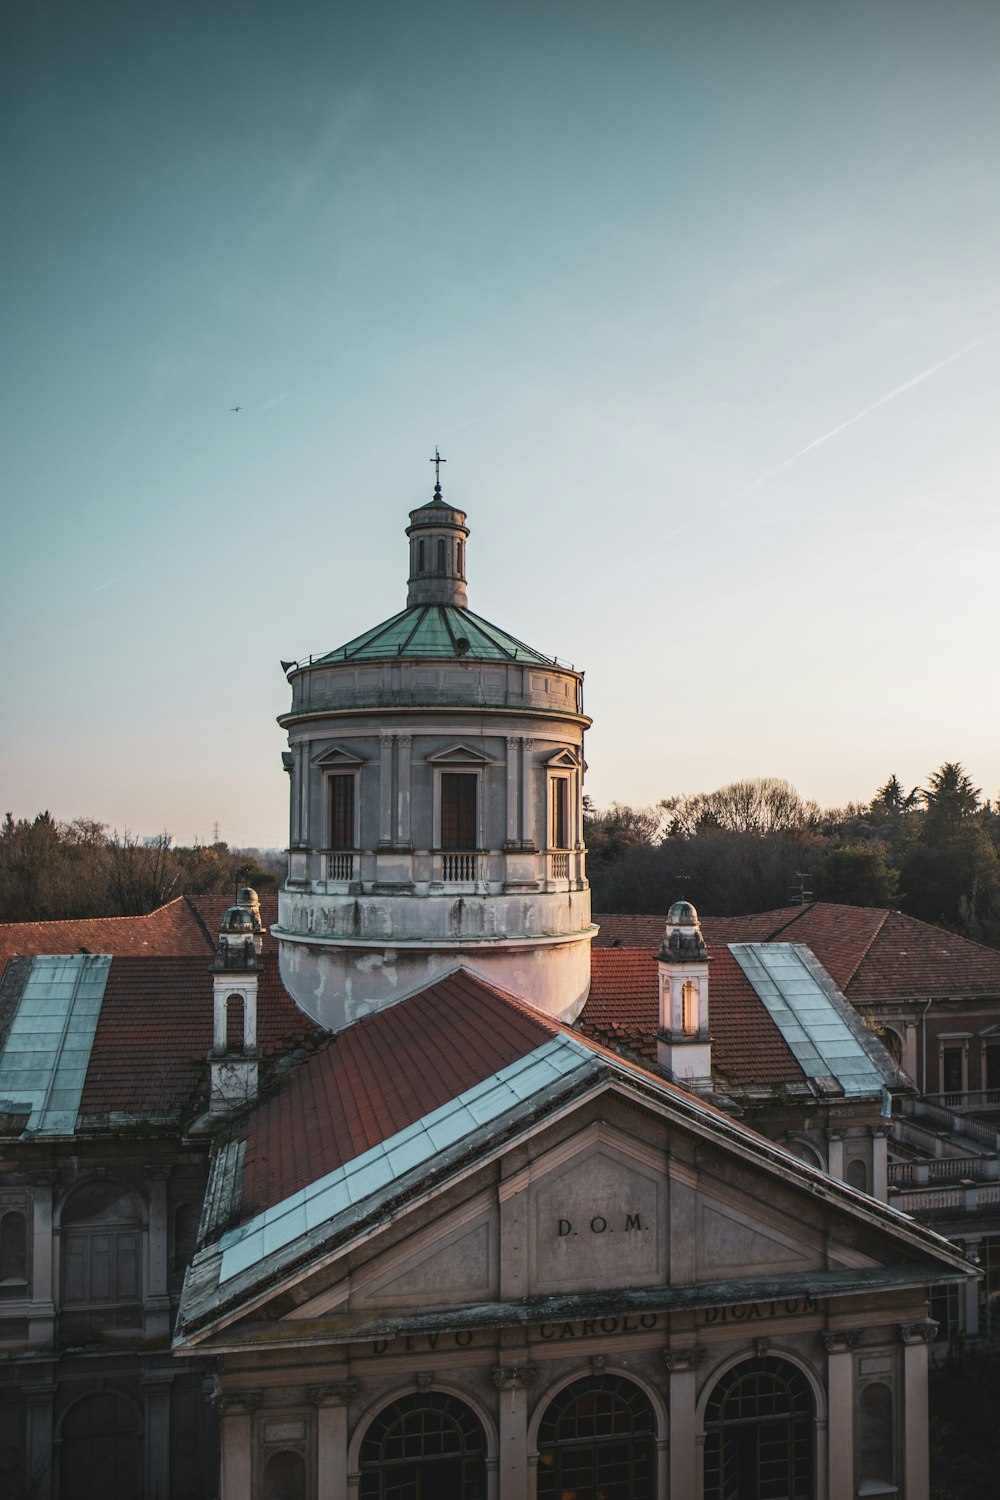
<point x="101" y="1450"/>
<point x="596" y="1438"/>
<point x="759" y="1433"/>
<point x="101" y="1251"/>
<point x="424" y="1447"/>
<point x="893" y="1044"/>
<point x="689" y="1004"/>
<point x="441" y="555"/>
<point x="876" y="1442"/>
<point x="421" y="549"/>
<point x="13" y="1254"/>
<point x="285" y="1477"/>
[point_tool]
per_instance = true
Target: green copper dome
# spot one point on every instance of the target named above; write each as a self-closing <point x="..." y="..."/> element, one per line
<point x="435" y="630"/>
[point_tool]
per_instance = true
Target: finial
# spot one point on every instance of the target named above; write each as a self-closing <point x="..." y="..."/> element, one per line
<point x="437" y="461"/>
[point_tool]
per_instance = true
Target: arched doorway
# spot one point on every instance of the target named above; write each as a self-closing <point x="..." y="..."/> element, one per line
<point x="596" y="1442"/>
<point x="425" y="1447"/>
<point x="100" y="1450"/>
<point x="759" y="1434"/>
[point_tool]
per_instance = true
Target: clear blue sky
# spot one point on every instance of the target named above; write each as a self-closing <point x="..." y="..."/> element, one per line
<point x="622" y="261"/>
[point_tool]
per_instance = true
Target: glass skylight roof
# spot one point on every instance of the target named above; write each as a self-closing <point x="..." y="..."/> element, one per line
<point x="47" y="1052"/>
<point x="347" y="1186"/>
<point x="816" y="1029"/>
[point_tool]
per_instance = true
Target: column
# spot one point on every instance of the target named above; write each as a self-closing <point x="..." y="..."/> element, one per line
<point x="385" y="791"/>
<point x="527" y="794"/>
<point x="403" y="825"/>
<point x="305" y="791"/>
<point x="916" y="1337"/>
<point x="156" y="1441"/>
<point x="835" y="1153"/>
<point x="512" y="1381"/>
<point x="880" y="1162"/>
<point x="41" y="1320"/>
<point x="682" y="1454"/>
<point x="972" y="1290"/>
<point x="40" y="1400"/>
<point x="156" y="1299"/>
<point x="512" y="747"/>
<point x="331" y="1437"/>
<point x="236" y="1410"/>
<point x="840" y="1412"/>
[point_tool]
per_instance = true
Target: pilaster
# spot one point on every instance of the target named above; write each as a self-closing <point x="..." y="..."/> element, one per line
<point x="512" y="1381"/>
<point x="156" y="1388"/>
<point x="40" y="1401"/>
<point x="916" y="1461"/>
<point x="331" y="1403"/>
<point x="404" y="743"/>
<point x="682" y="1366"/>
<point x="840" y="1348"/>
<point x="385" y="790"/>
<point x="236" y="1410"/>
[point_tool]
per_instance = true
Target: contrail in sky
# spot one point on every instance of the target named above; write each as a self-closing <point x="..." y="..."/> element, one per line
<point x="899" y="390"/>
<point x="787" y="463"/>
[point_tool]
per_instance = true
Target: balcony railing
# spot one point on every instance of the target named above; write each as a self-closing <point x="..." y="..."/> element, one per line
<point x="459" y="867"/>
<point x="340" y="866"/>
<point x="560" y="866"/>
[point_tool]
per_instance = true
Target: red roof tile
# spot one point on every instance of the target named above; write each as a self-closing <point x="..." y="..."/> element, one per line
<point x="870" y="953"/>
<point x="210" y="910"/>
<point x="383" y="1073"/>
<point x="150" y="1050"/>
<point x="171" y="929"/>
<point x="623" y="1010"/>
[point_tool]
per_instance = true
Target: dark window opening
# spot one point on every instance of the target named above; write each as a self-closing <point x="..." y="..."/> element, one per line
<point x="285" y="1477"/>
<point x="759" y="1434"/>
<point x="342" y="811"/>
<point x="235" y="1023"/>
<point x="424" y="1447"/>
<point x="458" y="809"/>
<point x="993" y="1067"/>
<point x="101" y="1449"/>
<point x="856" y="1175"/>
<point x="951" y="1070"/>
<point x="596" y="1438"/>
<point x="560" y="812"/>
<point x="186" y="1220"/>
<point x="13" y="1255"/>
<point x="101" y="1247"/>
<point x="421" y="563"/>
<point x="441" y="555"/>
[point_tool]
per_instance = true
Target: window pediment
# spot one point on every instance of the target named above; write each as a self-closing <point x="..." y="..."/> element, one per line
<point x="460" y="755"/>
<point x="337" y="759"/>
<point x="561" y="760"/>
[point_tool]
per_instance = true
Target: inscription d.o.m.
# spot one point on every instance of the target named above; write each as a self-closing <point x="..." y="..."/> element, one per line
<point x="598" y="1225"/>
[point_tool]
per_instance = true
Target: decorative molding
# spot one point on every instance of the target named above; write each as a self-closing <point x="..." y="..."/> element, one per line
<point x="598" y="1363"/>
<point x="337" y="1393"/>
<point x="761" y="1346"/>
<point x="841" y="1341"/>
<point x="679" y="1360"/>
<point x="237" y="1403"/>
<point x="921" y="1332"/>
<point x="514" y="1377"/>
<point x="425" y="1380"/>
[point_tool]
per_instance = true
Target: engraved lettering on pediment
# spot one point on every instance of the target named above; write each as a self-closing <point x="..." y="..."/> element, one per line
<point x="596" y="1221"/>
<point x="729" y="1240"/>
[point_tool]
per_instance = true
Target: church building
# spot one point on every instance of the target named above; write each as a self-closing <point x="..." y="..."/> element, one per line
<point x="462" y="1250"/>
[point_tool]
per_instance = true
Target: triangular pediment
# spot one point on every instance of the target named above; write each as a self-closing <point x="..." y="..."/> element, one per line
<point x="628" y="1194"/>
<point x="561" y="759"/>
<point x="459" y="755"/>
<point x="336" y="757"/>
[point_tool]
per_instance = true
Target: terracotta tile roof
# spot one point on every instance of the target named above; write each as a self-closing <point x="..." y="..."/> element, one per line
<point x="911" y="958"/>
<point x="209" y="912"/>
<point x="383" y="1073"/>
<point x="870" y="953"/>
<point x="155" y="1031"/>
<point x="171" y="929"/>
<point x="622" y="1011"/>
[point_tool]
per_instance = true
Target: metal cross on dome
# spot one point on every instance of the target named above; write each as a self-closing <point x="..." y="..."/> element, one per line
<point x="437" y="461"/>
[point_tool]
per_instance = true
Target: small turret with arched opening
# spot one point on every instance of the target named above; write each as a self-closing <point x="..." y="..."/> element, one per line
<point x="684" y="1044"/>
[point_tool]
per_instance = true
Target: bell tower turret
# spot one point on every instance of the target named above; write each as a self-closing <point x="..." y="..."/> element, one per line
<point x="437" y="534"/>
<point x="684" y="1044"/>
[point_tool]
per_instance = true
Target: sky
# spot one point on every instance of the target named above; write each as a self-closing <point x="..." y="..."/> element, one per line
<point x="699" y="300"/>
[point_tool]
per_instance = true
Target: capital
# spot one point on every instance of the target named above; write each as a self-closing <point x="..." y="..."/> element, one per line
<point x="840" y="1341"/>
<point x="336" y="1393"/>
<point x="514" y="1377"/>
<point x="678" y="1360"/>
<point x="920" y="1332"/>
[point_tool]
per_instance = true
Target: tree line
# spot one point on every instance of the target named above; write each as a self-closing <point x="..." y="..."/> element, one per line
<point x="932" y="852"/>
<point x="50" y="870"/>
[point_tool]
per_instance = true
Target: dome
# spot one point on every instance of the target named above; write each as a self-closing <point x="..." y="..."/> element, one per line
<point x="236" y="919"/>
<point x="247" y="897"/>
<point x="682" y="914"/>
